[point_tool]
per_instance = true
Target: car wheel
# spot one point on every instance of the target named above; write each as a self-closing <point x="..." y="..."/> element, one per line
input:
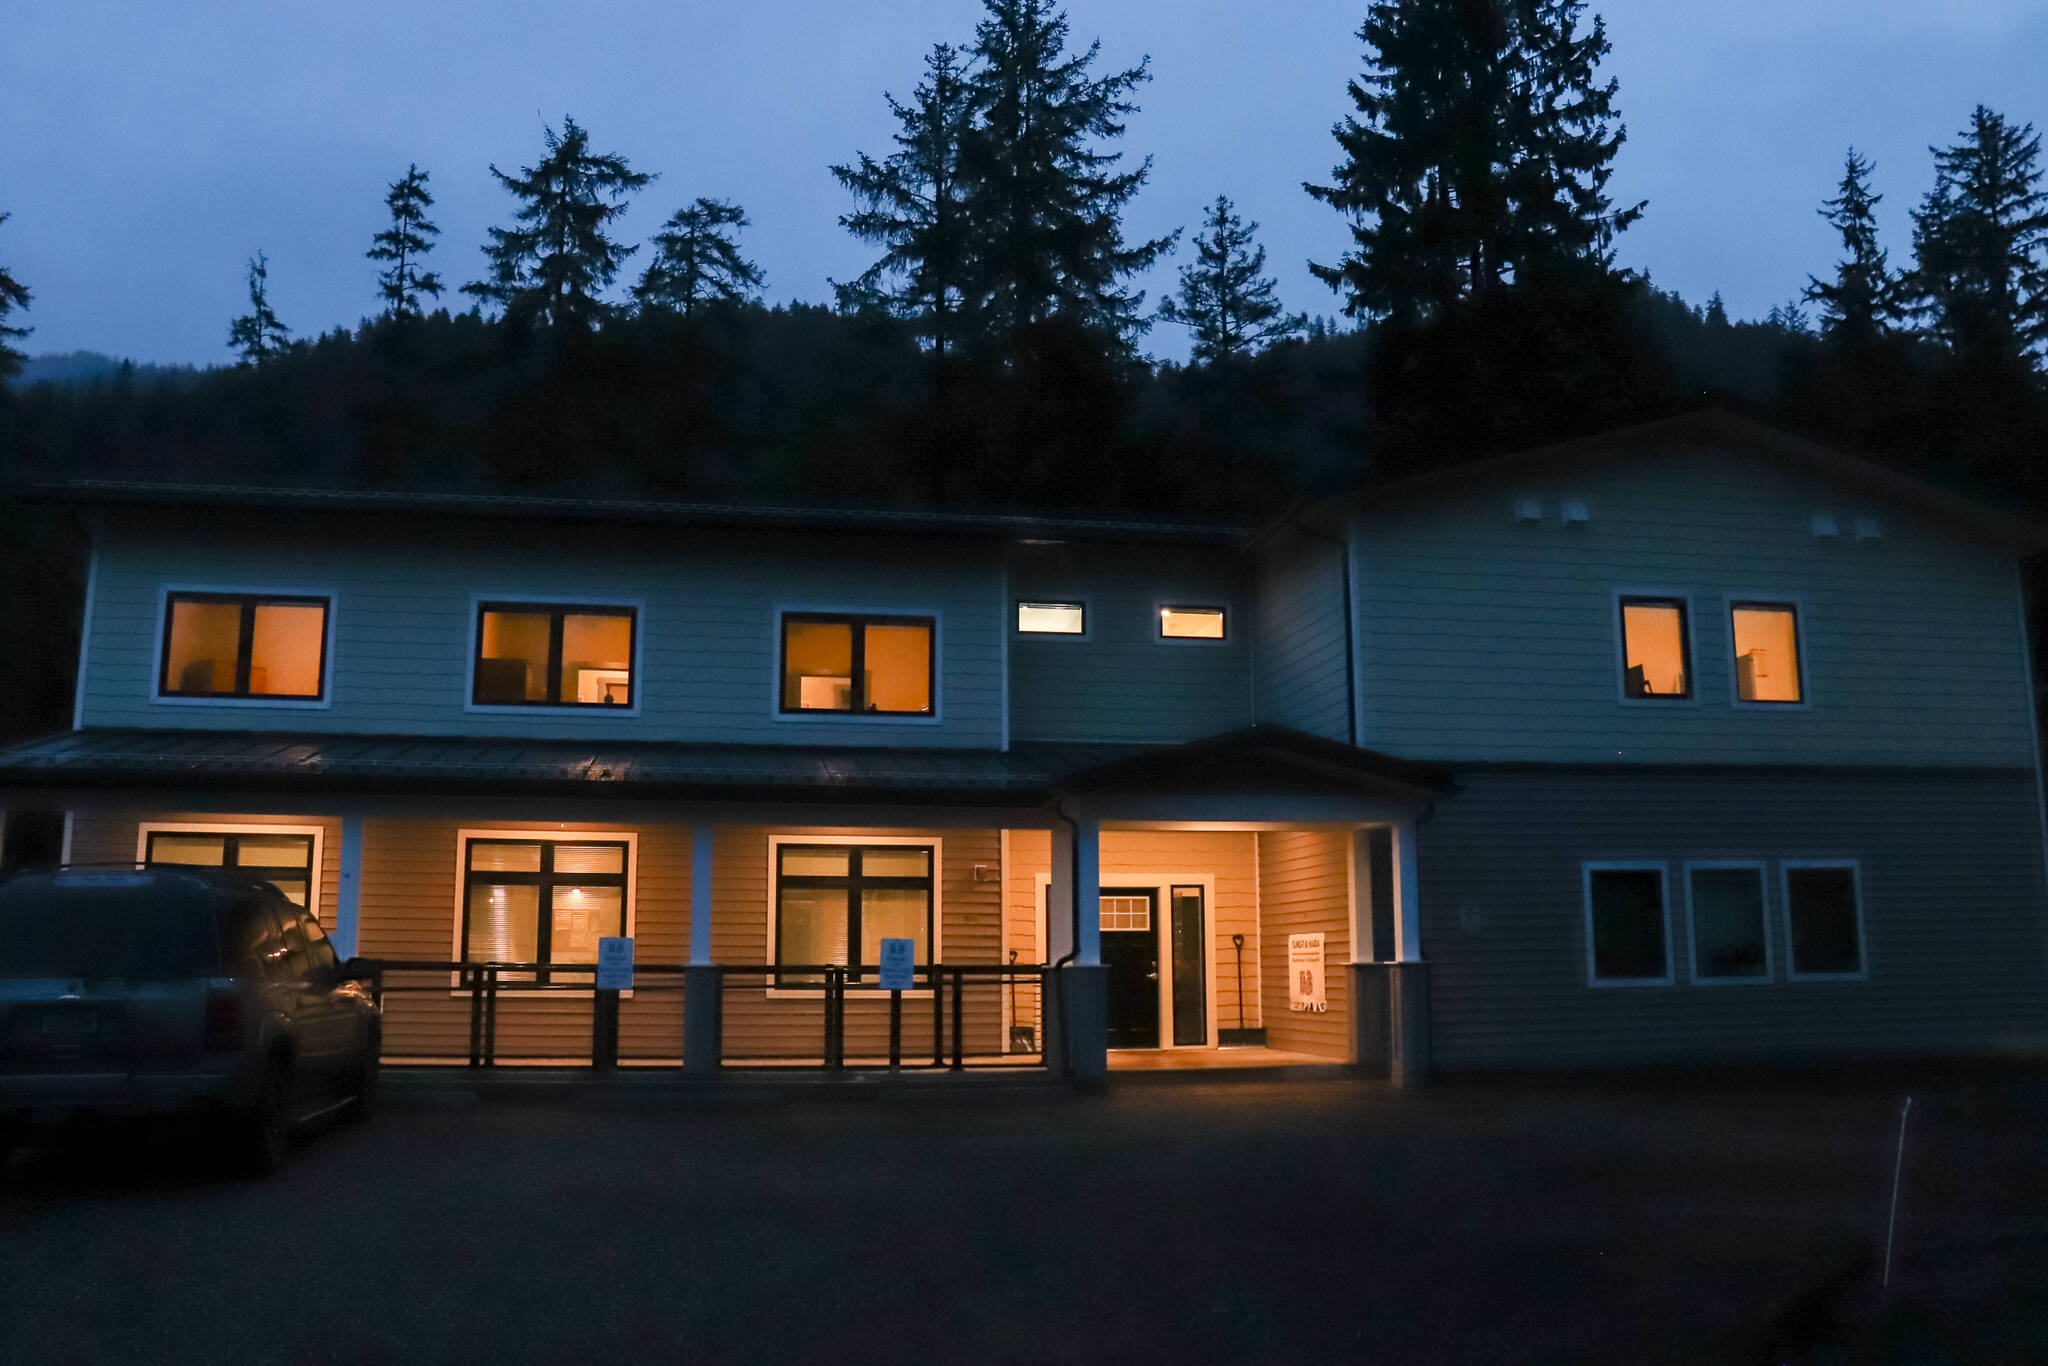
<point x="266" y="1125"/>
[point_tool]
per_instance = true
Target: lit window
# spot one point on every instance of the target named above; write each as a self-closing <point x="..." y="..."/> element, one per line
<point x="836" y="903"/>
<point x="244" y="645"/>
<point x="1823" y="920"/>
<point x="545" y="655"/>
<point x="1656" y="661"/>
<point x="1051" y="618"/>
<point x="541" y="902"/>
<point x="285" y="861"/>
<point x="1625" y="924"/>
<point x="1191" y="623"/>
<point x="877" y="665"/>
<point x="1766" y="651"/>
<point x="1727" y="914"/>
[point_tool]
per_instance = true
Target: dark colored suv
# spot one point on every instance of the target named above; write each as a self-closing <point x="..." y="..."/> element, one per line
<point x="156" y="991"/>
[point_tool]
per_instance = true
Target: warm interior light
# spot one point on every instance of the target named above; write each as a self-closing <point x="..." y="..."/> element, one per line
<point x="899" y="668"/>
<point x="1766" y="653"/>
<point x="1653" y="642"/>
<point x="1051" y="618"/>
<point x="1191" y="623"/>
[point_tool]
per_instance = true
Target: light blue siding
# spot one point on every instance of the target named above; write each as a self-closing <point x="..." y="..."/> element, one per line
<point x="1485" y="638"/>
<point x="403" y="623"/>
<point x="1298" y="637"/>
<point x="1124" y="683"/>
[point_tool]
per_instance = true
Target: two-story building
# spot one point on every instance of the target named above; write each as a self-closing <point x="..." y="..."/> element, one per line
<point x="1694" y="742"/>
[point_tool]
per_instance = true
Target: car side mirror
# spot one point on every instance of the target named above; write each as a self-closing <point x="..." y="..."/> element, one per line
<point x="358" y="970"/>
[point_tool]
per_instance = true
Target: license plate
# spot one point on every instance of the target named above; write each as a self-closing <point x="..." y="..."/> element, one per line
<point x="70" y="1026"/>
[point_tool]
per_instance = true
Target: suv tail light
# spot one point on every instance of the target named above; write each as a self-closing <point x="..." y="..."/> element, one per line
<point x="223" y="1018"/>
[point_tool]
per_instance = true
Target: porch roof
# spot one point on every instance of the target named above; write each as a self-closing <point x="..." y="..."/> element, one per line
<point x="1026" y="774"/>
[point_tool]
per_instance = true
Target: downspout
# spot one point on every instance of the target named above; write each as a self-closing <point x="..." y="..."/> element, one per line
<point x="2019" y="583"/>
<point x="1350" y="621"/>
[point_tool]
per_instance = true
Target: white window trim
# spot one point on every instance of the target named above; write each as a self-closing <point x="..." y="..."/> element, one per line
<point x="857" y="718"/>
<point x="630" y="838"/>
<point x="1586" y="870"/>
<point x="1692" y="650"/>
<point x="1797" y="603"/>
<point x="147" y="828"/>
<point x="1855" y="867"/>
<point x="1084" y="602"/>
<point x="159" y="698"/>
<point x="554" y="710"/>
<point x="933" y="842"/>
<point x="1692" y="953"/>
<point x="1195" y="602"/>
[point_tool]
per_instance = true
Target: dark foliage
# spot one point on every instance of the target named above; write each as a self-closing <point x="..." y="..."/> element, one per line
<point x="13" y="295"/>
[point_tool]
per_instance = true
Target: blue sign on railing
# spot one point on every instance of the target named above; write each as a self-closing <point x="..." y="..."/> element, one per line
<point x="899" y="968"/>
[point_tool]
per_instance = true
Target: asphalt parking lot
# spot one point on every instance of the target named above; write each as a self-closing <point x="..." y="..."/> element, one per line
<point x="1192" y="1221"/>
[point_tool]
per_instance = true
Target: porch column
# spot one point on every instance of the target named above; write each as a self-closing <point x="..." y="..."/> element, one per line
<point x="1371" y="1011"/>
<point x="1409" y="973"/>
<point x="703" y="993"/>
<point x="348" y="889"/>
<point x="1074" y="924"/>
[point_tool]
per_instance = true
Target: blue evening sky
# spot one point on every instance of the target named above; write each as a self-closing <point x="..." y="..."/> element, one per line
<point x="151" y="148"/>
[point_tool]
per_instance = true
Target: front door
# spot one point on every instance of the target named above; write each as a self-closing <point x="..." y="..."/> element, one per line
<point x="1130" y="950"/>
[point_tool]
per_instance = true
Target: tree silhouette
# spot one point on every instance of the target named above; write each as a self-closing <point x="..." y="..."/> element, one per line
<point x="1865" y="300"/>
<point x="13" y="295"/>
<point x="409" y="238"/>
<point x="697" y="260"/>
<point x="1980" y="246"/>
<point x="257" y="335"/>
<point x="1226" y="300"/>
<point x="549" y="271"/>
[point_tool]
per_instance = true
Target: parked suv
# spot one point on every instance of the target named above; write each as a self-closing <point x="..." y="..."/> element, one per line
<point x="155" y="990"/>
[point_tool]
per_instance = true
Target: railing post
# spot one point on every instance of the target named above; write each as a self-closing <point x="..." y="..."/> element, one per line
<point x="703" y="1003"/>
<point x="835" y="1018"/>
<point x="938" y="1015"/>
<point x="604" y="1030"/>
<point x="895" y="1031"/>
<point x="476" y="1015"/>
<point x="959" y="1020"/>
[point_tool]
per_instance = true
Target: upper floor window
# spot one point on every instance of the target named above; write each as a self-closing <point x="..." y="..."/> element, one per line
<point x="1656" y="655"/>
<point x="1191" y="623"/>
<point x="1052" y="618"/>
<point x="879" y="666"/>
<point x="1766" y="636"/>
<point x="244" y="645"/>
<point x="553" y="655"/>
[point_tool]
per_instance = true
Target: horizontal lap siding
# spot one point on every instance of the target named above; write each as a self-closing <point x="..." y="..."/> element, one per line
<point x="1304" y="886"/>
<point x="1299" y="639"/>
<point x="1952" y="906"/>
<point x="1482" y="638"/>
<point x="404" y="622"/>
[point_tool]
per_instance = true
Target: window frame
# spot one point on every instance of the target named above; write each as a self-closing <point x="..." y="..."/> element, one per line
<point x="1662" y="868"/>
<point x="545" y="926"/>
<point x="557" y="608"/>
<point x="1086" y="632"/>
<point x="1792" y="973"/>
<point x="145" y="829"/>
<point x="857" y="617"/>
<point x="933" y="932"/>
<point x="1791" y="602"/>
<point x="329" y="603"/>
<point x="1164" y="605"/>
<point x="1692" y="945"/>
<point x="1621" y="599"/>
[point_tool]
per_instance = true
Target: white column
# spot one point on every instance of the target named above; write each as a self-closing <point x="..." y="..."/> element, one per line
<point x="1407" y="905"/>
<point x="348" y="890"/>
<point x="1360" y="876"/>
<point x="1088" y="879"/>
<point x="700" y="893"/>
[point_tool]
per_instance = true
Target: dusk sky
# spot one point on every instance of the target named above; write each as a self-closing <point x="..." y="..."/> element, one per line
<point x="151" y="149"/>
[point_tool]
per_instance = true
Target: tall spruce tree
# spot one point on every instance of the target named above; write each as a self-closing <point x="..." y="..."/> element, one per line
<point x="549" y="270"/>
<point x="257" y="336"/>
<point x="912" y="203"/>
<point x="1225" y="299"/>
<point x="1044" y="193"/>
<point x="409" y="238"/>
<point x="13" y="295"/>
<point x="697" y="261"/>
<point x="1865" y="301"/>
<point x="1980" y="246"/>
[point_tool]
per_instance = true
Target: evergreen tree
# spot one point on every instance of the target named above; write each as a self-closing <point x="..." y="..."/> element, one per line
<point x="912" y="204"/>
<point x="1225" y="299"/>
<point x="409" y="238"/>
<point x="1864" y="302"/>
<point x="1980" y="245"/>
<point x="549" y="270"/>
<point x="13" y="295"/>
<point x="697" y="260"/>
<point x="257" y="335"/>
<point x="1044" y="196"/>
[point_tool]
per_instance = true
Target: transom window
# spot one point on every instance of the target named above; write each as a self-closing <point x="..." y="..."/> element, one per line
<point x="1656" y="655"/>
<point x="1052" y="618"/>
<point x="1823" y="919"/>
<point x="285" y="861"/>
<point x="836" y="903"/>
<point x="244" y="645"/>
<point x="1726" y="906"/>
<point x="875" y="665"/>
<point x="552" y="655"/>
<point x="542" y="902"/>
<point x="1766" y="636"/>
<point x="1626" y="941"/>
<point x="1126" y="913"/>
<point x="1191" y="623"/>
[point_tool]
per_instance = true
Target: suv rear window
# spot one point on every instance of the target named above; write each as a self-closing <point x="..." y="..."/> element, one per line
<point x="133" y="926"/>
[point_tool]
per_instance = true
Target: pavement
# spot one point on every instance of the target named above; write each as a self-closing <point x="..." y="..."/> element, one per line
<point x="1334" y="1220"/>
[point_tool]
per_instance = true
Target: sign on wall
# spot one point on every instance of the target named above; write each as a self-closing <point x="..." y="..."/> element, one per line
<point x="898" y="964"/>
<point x="614" y="964"/>
<point x="1305" y="973"/>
